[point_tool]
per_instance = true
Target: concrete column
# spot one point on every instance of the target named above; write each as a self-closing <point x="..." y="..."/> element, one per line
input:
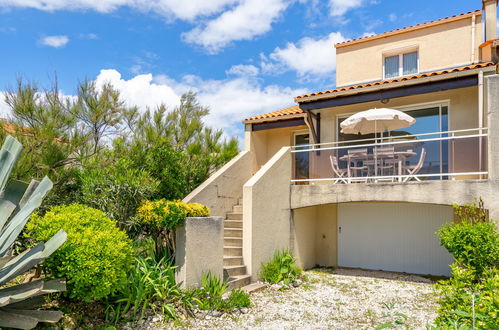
<point x="199" y="249"/>
<point x="492" y="98"/>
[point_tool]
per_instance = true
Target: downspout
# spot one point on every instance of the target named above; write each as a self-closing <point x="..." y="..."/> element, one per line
<point x="473" y="37"/>
<point x="480" y="119"/>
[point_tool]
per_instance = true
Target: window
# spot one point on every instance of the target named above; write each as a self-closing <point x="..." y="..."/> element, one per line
<point x="401" y="65"/>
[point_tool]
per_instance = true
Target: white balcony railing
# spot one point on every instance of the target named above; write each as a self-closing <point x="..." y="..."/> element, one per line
<point x="446" y="155"/>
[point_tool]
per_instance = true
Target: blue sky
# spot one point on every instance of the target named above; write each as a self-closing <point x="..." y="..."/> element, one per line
<point x="243" y="57"/>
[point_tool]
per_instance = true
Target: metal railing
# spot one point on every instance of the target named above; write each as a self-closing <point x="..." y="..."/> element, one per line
<point x="430" y="156"/>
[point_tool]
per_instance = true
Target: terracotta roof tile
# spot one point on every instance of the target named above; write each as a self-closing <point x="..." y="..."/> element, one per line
<point x="391" y="81"/>
<point x="297" y="112"/>
<point x="291" y="111"/>
<point x="409" y="28"/>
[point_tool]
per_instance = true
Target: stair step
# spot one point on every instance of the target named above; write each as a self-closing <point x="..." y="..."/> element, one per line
<point x="233" y="251"/>
<point x="237" y="209"/>
<point x="232" y="271"/>
<point x="233" y="232"/>
<point x="253" y="287"/>
<point x="238" y="281"/>
<point x="233" y="241"/>
<point x="233" y="224"/>
<point x="232" y="261"/>
<point x="234" y="216"/>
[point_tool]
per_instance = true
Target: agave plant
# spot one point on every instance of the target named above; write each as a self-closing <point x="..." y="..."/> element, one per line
<point x="18" y="200"/>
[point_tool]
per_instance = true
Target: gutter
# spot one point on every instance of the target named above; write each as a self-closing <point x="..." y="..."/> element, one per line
<point x="415" y="81"/>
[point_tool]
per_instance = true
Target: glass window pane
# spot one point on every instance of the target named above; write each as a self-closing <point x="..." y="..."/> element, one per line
<point x="410" y="63"/>
<point x="391" y="66"/>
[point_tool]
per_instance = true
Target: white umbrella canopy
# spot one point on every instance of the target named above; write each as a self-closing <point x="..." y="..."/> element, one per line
<point x="376" y="121"/>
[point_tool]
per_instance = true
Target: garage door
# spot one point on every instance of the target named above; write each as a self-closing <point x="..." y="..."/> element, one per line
<point x="396" y="237"/>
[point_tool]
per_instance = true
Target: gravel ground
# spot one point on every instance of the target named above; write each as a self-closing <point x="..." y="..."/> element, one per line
<point x="334" y="299"/>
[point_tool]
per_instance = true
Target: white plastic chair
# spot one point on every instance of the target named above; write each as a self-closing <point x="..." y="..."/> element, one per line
<point x="414" y="169"/>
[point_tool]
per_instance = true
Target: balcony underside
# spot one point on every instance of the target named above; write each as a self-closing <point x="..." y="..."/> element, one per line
<point x="444" y="192"/>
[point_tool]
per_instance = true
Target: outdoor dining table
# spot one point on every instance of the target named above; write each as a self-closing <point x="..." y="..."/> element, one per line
<point x="399" y="156"/>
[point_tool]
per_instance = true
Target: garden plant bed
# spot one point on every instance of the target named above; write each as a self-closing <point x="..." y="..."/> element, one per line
<point x="341" y="298"/>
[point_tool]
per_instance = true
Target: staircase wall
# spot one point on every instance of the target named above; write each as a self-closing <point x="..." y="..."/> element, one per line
<point x="266" y="212"/>
<point x="223" y="189"/>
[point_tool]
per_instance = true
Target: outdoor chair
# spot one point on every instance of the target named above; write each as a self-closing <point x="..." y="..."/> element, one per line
<point x="414" y="169"/>
<point x="356" y="166"/>
<point x="385" y="157"/>
<point x="340" y="173"/>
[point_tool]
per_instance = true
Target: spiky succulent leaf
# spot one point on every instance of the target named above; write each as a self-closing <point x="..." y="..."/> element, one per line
<point x="17" y="201"/>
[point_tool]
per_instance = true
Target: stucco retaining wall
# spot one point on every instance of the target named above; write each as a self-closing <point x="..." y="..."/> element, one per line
<point x="199" y="249"/>
<point x="223" y="189"/>
<point x="266" y="211"/>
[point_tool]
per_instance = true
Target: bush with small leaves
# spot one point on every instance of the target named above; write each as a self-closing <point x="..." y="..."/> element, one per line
<point x="96" y="256"/>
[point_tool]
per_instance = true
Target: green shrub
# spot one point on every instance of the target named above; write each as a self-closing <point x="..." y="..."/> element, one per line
<point x="238" y="299"/>
<point x="282" y="267"/>
<point x="160" y="218"/>
<point x="465" y="302"/>
<point x="211" y="292"/>
<point x="149" y="281"/>
<point x="96" y="256"/>
<point x="210" y="295"/>
<point x="473" y="245"/>
<point x="471" y="297"/>
<point x="117" y="190"/>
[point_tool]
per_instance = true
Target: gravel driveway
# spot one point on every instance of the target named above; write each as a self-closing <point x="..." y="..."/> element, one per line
<point x="339" y="299"/>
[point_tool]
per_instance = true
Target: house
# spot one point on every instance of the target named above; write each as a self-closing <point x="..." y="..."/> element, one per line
<point x="298" y="185"/>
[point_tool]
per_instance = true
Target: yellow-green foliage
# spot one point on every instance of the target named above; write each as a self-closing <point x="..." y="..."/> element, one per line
<point x="96" y="256"/>
<point x="168" y="214"/>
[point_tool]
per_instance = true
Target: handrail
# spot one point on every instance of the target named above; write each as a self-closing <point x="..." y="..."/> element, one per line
<point x="311" y="146"/>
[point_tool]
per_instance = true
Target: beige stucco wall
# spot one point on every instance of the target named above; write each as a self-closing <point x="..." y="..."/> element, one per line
<point x="266" y="143"/>
<point x="223" y="189"/>
<point x="199" y="249"/>
<point x="266" y="212"/>
<point x="441" y="46"/>
<point x="314" y="236"/>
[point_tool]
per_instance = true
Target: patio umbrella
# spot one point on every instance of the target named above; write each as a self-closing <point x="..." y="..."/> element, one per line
<point x="376" y="121"/>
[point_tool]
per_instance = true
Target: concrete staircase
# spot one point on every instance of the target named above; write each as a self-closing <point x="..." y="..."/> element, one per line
<point x="234" y="268"/>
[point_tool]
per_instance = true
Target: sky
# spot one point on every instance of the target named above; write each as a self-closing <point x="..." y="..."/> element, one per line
<point x="242" y="57"/>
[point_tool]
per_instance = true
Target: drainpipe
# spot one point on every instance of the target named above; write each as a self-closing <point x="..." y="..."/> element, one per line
<point x="480" y="118"/>
<point x="473" y="37"/>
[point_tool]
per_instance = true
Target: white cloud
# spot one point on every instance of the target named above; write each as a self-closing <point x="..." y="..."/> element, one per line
<point x="140" y="90"/>
<point x="182" y="9"/>
<point x="4" y="108"/>
<point x="217" y="22"/>
<point x="243" y="70"/>
<point x="54" y="41"/>
<point x="249" y="19"/>
<point x="340" y="7"/>
<point x="308" y="57"/>
<point x="230" y="100"/>
<point x="392" y="17"/>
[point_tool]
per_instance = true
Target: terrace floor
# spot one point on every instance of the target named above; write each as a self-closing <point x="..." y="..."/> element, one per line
<point x="335" y="299"/>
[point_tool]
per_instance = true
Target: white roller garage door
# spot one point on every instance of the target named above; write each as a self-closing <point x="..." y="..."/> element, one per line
<point x="396" y="237"/>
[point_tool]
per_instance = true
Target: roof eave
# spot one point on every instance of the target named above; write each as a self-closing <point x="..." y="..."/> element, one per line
<point x="395" y="84"/>
<point x="270" y="119"/>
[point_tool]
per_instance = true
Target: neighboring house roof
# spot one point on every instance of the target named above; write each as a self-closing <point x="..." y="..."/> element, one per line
<point x="409" y="28"/>
<point x="287" y="113"/>
<point x="441" y="73"/>
<point x="296" y="112"/>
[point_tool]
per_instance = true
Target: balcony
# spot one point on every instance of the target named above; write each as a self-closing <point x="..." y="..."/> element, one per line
<point x="449" y="155"/>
